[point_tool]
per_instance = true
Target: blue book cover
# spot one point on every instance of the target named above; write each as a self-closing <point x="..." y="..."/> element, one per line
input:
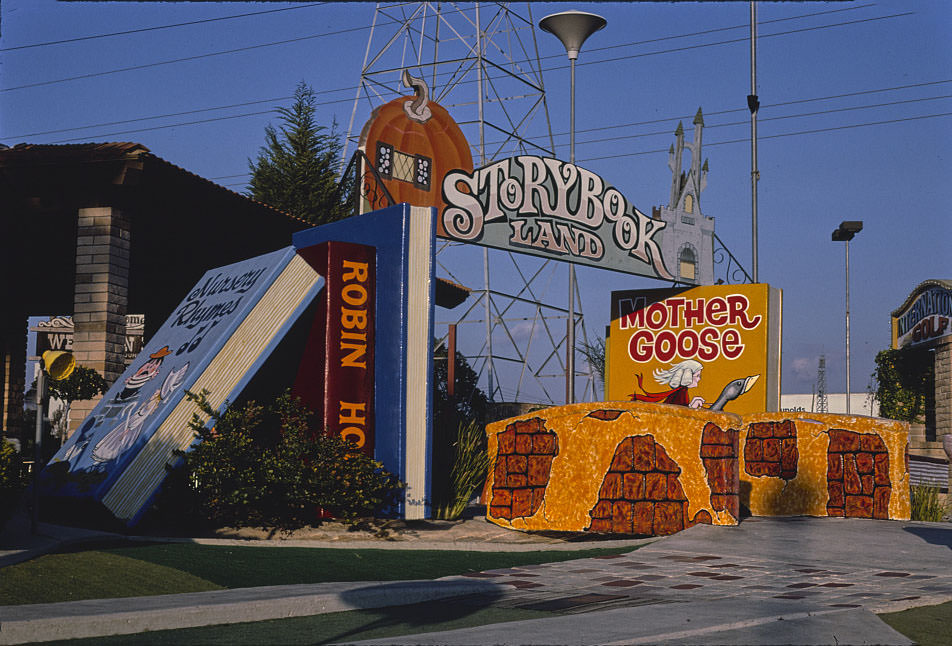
<point x="403" y="237"/>
<point x="216" y="339"/>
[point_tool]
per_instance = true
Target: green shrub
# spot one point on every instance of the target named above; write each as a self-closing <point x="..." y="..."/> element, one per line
<point x="267" y="466"/>
<point x="470" y="461"/>
<point x="81" y="385"/>
<point x="11" y="480"/>
<point x="926" y="504"/>
<point x="904" y="381"/>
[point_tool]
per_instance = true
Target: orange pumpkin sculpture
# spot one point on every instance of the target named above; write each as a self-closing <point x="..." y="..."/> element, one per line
<point x="412" y="143"/>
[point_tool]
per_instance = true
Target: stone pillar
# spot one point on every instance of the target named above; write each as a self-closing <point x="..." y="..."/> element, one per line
<point x="943" y="398"/>
<point x="100" y="296"/>
<point x="12" y="356"/>
<point x="943" y="389"/>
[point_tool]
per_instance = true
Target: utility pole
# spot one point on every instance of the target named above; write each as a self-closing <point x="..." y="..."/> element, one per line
<point x="753" y="103"/>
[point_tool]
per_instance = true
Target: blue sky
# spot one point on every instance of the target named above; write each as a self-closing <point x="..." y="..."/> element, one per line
<point x="878" y="152"/>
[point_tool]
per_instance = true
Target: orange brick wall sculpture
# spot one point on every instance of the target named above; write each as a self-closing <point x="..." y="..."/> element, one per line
<point x="655" y="469"/>
<point x="623" y="467"/>
<point x="817" y="464"/>
<point x="521" y="471"/>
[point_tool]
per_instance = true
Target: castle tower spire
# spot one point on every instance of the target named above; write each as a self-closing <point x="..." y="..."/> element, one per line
<point x="696" y="156"/>
<point x="675" y="154"/>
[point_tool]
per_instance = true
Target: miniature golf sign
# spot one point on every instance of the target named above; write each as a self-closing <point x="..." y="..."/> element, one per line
<point x="925" y="316"/>
<point x="554" y="209"/>
<point x="714" y="347"/>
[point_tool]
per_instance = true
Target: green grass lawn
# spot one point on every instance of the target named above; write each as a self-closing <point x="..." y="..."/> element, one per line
<point x="928" y="625"/>
<point x="128" y="569"/>
<point x="113" y="570"/>
<point x="329" y="628"/>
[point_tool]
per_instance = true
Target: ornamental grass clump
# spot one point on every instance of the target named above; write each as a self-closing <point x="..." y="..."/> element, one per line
<point x="468" y="473"/>
<point x="267" y="466"/>
<point x="926" y="503"/>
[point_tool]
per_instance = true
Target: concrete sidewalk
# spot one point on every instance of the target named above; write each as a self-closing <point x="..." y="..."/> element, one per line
<point x="767" y="581"/>
<point x="776" y="580"/>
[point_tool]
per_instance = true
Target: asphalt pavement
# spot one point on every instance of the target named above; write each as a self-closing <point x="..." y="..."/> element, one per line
<point x="767" y="581"/>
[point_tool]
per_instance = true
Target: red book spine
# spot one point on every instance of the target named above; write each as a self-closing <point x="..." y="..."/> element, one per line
<point x="336" y="376"/>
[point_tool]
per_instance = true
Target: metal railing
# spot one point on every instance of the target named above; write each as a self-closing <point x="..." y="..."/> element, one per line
<point x="361" y="186"/>
<point x="734" y="273"/>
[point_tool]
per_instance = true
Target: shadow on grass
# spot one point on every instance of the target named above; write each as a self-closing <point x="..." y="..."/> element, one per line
<point x="440" y="608"/>
<point x="434" y="613"/>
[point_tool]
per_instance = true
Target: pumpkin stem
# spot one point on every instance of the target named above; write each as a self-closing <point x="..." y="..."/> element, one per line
<point x="417" y="109"/>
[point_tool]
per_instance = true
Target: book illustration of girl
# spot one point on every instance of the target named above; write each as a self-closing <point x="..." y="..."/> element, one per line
<point x="679" y="377"/>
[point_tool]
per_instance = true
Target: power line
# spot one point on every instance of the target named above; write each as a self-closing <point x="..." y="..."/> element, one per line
<point x="158" y="116"/>
<point x="768" y="105"/>
<point x="181" y="123"/>
<point x="733" y="141"/>
<point x="198" y="56"/>
<point x="738" y="40"/>
<point x="588" y="141"/>
<point x="156" y="28"/>
<point x="778" y="136"/>
<point x="184" y="59"/>
<point x="779" y="118"/>
<point x="704" y="32"/>
<point x="675" y="49"/>
<point x="353" y="29"/>
<point x="245" y="174"/>
<point x="167" y="126"/>
<point x="558" y="134"/>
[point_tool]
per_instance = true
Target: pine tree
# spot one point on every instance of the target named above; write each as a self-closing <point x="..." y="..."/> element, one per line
<point x="294" y="170"/>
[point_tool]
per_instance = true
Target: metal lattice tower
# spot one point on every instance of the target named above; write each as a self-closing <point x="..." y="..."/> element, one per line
<point x="822" y="405"/>
<point x="482" y="64"/>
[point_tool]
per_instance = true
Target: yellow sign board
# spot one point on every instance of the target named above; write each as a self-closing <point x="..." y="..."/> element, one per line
<point x="716" y="347"/>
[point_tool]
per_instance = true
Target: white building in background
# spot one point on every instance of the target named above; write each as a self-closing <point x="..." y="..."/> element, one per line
<point x="860" y="403"/>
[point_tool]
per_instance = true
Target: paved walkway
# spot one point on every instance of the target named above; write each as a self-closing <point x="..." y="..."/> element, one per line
<point x="778" y="580"/>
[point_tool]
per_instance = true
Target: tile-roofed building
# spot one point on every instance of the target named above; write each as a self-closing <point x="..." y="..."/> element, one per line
<point x="99" y="230"/>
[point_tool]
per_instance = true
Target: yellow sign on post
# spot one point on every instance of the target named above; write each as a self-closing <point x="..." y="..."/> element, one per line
<point x="715" y="347"/>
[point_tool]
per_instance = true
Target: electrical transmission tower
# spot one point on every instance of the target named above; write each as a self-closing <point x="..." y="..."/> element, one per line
<point x="822" y="405"/>
<point x="482" y="64"/>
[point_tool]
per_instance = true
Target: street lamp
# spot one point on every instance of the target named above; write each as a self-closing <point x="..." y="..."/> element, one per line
<point x="572" y="28"/>
<point x="845" y="233"/>
<point x="59" y="365"/>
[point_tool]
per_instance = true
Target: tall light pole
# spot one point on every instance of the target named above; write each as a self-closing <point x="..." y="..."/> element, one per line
<point x="60" y="365"/>
<point x="845" y="233"/>
<point x="753" y="103"/>
<point x="572" y="28"/>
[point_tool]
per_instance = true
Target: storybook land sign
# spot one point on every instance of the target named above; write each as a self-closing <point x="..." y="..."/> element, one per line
<point x="552" y="209"/>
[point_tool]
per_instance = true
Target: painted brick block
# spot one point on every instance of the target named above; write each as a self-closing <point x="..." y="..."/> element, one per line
<point x="655" y="469"/>
<point x="829" y="465"/>
<point x="619" y="468"/>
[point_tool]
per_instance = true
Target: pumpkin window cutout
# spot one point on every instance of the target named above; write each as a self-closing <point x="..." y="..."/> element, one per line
<point x="422" y="180"/>
<point x="384" y="160"/>
<point x="419" y="131"/>
<point x="403" y="166"/>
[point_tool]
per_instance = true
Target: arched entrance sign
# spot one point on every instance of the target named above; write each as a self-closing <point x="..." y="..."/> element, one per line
<point x="554" y="209"/>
